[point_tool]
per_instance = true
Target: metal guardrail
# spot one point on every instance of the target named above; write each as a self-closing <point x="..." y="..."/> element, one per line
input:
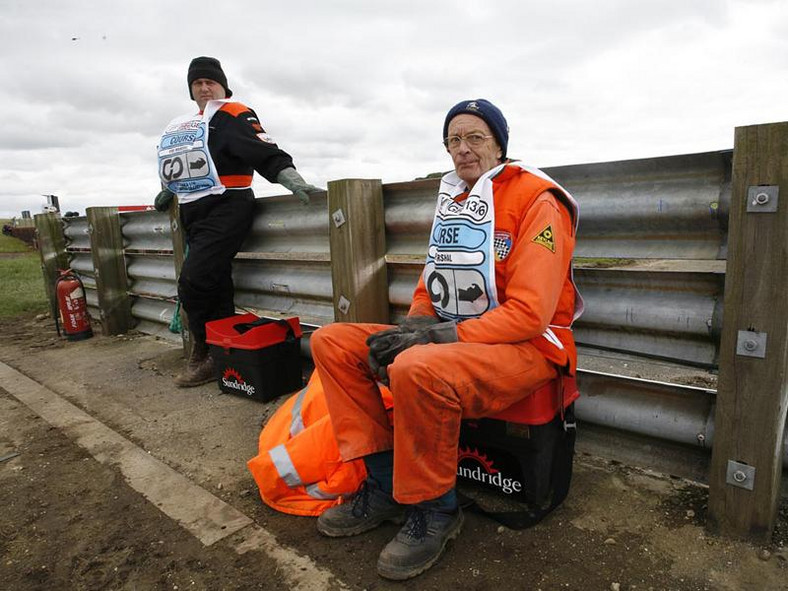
<point x="667" y="208"/>
<point x="146" y="231"/>
<point x="285" y="263"/>
<point x="77" y="234"/>
<point x="150" y="270"/>
<point x="683" y="414"/>
<point x="663" y="314"/>
<point x="674" y="207"/>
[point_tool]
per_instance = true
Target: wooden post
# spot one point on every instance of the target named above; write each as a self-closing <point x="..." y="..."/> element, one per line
<point x="357" y="237"/>
<point x="752" y="391"/>
<point x="52" y="248"/>
<point x="106" y="248"/>
<point x="179" y="254"/>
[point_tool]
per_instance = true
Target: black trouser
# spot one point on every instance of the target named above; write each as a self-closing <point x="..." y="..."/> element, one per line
<point x="215" y="227"/>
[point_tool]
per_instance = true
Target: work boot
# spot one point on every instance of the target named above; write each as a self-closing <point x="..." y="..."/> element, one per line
<point x="199" y="368"/>
<point x="367" y="509"/>
<point x="419" y="544"/>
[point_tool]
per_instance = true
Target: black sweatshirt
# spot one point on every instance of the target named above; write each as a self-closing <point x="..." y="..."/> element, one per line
<point x="237" y="148"/>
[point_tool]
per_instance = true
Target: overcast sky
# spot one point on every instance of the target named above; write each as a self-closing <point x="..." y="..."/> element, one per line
<point x="359" y="88"/>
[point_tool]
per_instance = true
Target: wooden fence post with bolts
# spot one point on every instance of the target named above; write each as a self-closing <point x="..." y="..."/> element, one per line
<point x="106" y="248"/>
<point x="357" y="238"/>
<point x="179" y="255"/>
<point x="752" y="392"/>
<point x="52" y="248"/>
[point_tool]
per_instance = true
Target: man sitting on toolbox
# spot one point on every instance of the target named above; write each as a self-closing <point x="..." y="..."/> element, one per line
<point x="490" y="324"/>
<point x="207" y="159"/>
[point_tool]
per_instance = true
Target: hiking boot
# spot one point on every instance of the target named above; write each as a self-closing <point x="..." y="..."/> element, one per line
<point x="367" y="509"/>
<point x="199" y="368"/>
<point x="419" y="544"/>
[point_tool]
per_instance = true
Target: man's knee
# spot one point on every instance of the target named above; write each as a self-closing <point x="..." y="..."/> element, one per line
<point x="318" y="342"/>
<point x="413" y="370"/>
<point x="327" y="339"/>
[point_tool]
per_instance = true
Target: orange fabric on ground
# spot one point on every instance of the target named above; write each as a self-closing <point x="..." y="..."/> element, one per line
<point x="298" y="469"/>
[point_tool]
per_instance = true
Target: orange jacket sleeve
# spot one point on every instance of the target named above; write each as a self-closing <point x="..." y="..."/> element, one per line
<point x="536" y="270"/>
<point x="421" y="304"/>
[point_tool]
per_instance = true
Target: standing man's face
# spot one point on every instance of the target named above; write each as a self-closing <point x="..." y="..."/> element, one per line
<point x="205" y="89"/>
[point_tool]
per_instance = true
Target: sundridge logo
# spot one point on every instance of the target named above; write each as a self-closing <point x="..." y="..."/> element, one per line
<point x="484" y="471"/>
<point x="232" y="379"/>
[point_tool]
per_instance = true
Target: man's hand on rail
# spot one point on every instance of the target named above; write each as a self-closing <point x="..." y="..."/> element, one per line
<point x="163" y="200"/>
<point x="295" y="183"/>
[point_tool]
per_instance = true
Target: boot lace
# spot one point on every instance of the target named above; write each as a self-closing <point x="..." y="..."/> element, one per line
<point x="417" y="523"/>
<point x="360" y="504"/>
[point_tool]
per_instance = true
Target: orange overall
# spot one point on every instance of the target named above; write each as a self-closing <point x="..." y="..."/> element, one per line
<point x="501" y="357"/>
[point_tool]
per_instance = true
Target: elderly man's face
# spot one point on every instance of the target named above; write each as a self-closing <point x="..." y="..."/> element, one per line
<point x="205" y="89"/>
<point x="471" y="162"/>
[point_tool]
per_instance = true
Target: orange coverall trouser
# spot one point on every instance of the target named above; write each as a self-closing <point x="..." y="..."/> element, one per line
<point x="433" y="387"/>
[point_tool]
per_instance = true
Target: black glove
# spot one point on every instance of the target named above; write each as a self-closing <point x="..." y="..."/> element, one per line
<point x="384" y="346"/>
<point x="163" y="200"/>
<point x="294" y="182"/>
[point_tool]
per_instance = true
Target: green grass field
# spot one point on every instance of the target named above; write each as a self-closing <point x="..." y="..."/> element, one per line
<point x="21" y="280"/>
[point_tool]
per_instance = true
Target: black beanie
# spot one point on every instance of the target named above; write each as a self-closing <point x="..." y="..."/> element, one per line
<point x="207" y="67"/>
<point x="487" y="111"/>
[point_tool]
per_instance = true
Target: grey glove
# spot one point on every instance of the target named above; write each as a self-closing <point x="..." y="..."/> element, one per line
<point x="384" y="346"/>
<point x="414" y="323"/>
<point x="409" y="324"/>
<point x="295" y="183"/>
<point x="163" y="200"/>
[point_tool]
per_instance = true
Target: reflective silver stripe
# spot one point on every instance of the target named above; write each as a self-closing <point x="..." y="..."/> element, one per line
<point x="297" y="421"/>
<point x="284" y="466"/>
<point x="550" y="336"/>
<point x="287" y="472"/>
<point x="313" y="491"/>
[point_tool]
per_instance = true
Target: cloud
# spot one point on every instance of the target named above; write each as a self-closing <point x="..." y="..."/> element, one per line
<point x="353" y="88"/>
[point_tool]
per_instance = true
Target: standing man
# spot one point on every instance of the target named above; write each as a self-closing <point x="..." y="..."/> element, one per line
<point x="490" y="324"/>
<point x="207" y="159"/>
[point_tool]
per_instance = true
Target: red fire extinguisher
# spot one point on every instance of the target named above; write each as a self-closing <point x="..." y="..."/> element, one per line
<point x="72" y="307"/>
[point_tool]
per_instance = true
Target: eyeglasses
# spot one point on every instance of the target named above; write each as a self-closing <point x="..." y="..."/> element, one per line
<point x="474" y="140"/>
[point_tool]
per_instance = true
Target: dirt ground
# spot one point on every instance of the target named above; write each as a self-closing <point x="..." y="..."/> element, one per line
<point x="69" y="521"/>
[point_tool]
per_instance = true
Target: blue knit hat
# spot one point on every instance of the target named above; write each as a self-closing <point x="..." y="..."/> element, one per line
<point x="487" y="111"/>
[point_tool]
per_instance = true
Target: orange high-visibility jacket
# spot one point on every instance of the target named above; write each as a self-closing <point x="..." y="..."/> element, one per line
<point x="298" y="469"/>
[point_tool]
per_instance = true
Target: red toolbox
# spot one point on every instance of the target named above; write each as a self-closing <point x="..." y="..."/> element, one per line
<point x="256" y="357"/>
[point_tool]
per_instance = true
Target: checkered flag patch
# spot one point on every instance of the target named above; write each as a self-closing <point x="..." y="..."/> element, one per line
<point x="502" y="244"/>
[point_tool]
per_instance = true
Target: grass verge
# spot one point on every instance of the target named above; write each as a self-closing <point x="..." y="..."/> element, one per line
<point x="22" y="285"/>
